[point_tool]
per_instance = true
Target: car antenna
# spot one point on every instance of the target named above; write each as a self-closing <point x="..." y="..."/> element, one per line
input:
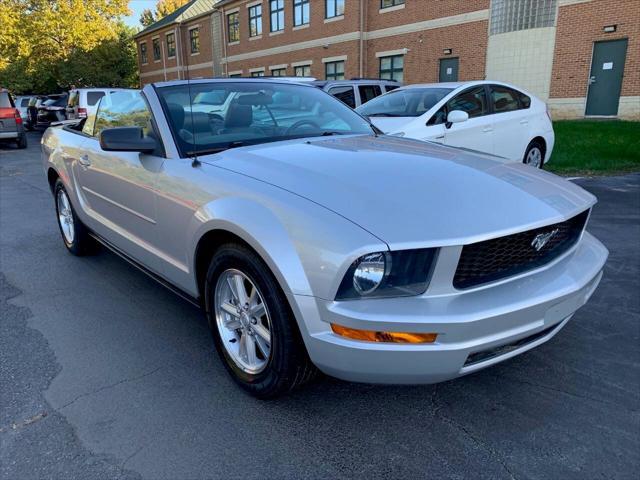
<point x="194" y="159"/>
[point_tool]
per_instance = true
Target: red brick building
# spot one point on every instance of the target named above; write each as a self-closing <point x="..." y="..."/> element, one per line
<point x="581" y="56"/>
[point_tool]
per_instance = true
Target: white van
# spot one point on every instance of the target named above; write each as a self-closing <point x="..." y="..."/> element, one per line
<point x="84" y="101"/>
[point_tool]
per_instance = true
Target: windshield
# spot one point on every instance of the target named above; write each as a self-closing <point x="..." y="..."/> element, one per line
<point x="59" y="101"/>
<point x="210" y="117"/>
<point x="409" y="102"/>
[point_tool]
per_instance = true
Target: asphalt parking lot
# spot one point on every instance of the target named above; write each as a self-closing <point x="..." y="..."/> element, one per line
<point x="105" y="374"/>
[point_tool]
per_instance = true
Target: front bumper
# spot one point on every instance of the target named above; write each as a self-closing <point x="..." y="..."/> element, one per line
<point x="475" y="329"/>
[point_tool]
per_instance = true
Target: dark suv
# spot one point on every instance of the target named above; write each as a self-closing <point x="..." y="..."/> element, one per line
<point x="11" y="127"/>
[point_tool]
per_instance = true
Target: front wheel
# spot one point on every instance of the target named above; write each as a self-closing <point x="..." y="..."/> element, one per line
<point x="534" y="155"/>
<point x="74" y="234"/>
<point x="253" y="327"/>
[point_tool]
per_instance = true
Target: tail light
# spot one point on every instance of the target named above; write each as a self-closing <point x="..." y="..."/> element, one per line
<point x="82" y="112"/>
<point x="8" y="112"/>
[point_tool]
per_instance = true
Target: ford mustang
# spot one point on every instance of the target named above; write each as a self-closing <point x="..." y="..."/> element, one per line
<point x="313" y="242"/>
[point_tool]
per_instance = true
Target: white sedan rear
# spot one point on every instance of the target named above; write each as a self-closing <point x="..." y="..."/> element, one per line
<point x="486" y="116"/>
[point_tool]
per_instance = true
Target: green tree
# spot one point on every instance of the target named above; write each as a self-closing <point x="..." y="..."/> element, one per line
<point x="42" y="42"/>
<point x="163" y="8"/>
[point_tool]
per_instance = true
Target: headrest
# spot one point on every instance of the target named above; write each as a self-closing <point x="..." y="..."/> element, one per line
<point x="238" y="116"/>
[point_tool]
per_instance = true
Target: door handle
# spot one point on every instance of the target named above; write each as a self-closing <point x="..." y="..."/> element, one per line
<point x="439" y="137"/>
<point x="592" y="79"/>
<point x="524" y="122"/>
<point x="487" y="130"/>
<point x="84" y="160"/>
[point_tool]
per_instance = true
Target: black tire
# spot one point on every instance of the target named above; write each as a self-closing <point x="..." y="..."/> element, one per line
<point x="288" y="366"/>
<point x="22" y="141"/>
<point x="534" y="145"/>
<point x="82" y="243"/>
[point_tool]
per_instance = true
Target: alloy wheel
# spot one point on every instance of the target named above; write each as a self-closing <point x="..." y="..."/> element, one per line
<point x="65" y="217"/>
<point x="243" y="321"/>
<point x="534" y="157"/>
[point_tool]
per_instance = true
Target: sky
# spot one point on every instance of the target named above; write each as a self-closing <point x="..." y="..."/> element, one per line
<point x="136" y="7"/>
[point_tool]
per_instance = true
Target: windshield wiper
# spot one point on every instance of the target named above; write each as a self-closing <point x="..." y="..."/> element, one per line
<point x="329" y="133"/>
<point x="228" y="146"/>
<point x="384" y="115"/>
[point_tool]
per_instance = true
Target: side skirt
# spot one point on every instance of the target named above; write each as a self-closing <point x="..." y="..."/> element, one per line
<point x="169" y="286"/>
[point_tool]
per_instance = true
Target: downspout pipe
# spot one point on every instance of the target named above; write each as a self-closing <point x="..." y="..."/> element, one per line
<point x="361" y="46"/>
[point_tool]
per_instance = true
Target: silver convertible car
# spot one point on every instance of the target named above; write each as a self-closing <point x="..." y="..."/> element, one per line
<point x="312" y="242"/>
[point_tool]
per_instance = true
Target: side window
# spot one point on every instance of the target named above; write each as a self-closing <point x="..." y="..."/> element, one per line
<point x="124" y="109"/>
<point x="90" y="122"/>
<point x="369" y="92"/>
<point x="503" y="99"/>
<point x="438" y="118"/>
<point x="24" y="102"/>
<point x="389" y="88"/>
<point x="94" y="97"/>
<point x="346" y="94"/>
<point x="525" y="100"/>
<point x="472" y="101"/>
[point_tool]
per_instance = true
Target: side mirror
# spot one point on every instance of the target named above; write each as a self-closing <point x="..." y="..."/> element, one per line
<point x="126" y="139"/>
<point x="456" y="116"/>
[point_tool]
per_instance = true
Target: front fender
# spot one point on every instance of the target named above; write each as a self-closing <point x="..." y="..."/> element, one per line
<point x="306" y="246"/>
<point x="261" y="229"/>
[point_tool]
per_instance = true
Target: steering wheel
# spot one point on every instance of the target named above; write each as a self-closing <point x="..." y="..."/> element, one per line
<point x="299" y="124"/>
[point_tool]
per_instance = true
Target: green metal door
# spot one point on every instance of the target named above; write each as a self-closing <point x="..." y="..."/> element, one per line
<point x="605" y="79"/>
<point x="448" y="69"/>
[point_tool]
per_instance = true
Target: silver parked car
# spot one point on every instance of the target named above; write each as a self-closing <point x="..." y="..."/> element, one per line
<point x="313" y="242"/>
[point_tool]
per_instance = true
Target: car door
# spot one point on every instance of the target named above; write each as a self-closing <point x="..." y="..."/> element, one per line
<point x="510" y="122"/>
<point x="118" y="188"/>
<point x="477" y="132"/>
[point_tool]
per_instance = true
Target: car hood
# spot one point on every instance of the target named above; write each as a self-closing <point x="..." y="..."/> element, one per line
<point x="408" y="193"/>
<point x="391" y="124"/>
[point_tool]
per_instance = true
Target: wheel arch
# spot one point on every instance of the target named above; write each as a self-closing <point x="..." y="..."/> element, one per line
<point x="52" y="176"/>
<point x="254" y="226"/>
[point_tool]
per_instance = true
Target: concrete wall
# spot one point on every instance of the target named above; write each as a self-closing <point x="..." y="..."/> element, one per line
<point x="523" y="58"/>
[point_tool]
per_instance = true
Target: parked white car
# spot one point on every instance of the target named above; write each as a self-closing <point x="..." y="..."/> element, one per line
<point x="486" y="116"/>
<point x="22" y="102"/>
<point x="83" y="102"/>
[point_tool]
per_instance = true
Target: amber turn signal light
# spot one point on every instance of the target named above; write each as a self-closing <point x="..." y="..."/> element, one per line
<point x="388" y="337"/>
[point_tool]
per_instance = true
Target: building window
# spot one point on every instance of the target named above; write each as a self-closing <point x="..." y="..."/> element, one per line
<point x="255" y="20"/>
<point x="390" y="3"/>
<point x="259" y="73"/>
<point x="392" y="68"/>
<point x="194" y="40"/>
<point x="156" y="50"/>
<point x="300" y="12"/>
<point x="171" y="45"/>
<point x="276" y="7"/>
<point x="302" y="71"/>
<point x="235" y="75"/>
<point x="334" y="70"/>
<point x="279" y="72"/>
<point x="143" y="52"/>
<point x="233" y="27"/>
<point x="333" y="8"/>
<point x="509" y="16"/>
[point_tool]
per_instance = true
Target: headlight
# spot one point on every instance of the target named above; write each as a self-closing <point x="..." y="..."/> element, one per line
<point x="370" y="272"/>
<point x="388" y="274"/>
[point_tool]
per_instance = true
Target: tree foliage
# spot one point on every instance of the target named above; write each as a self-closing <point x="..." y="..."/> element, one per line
<point x="163" y="8"/>
<point x="48" y="45"/>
